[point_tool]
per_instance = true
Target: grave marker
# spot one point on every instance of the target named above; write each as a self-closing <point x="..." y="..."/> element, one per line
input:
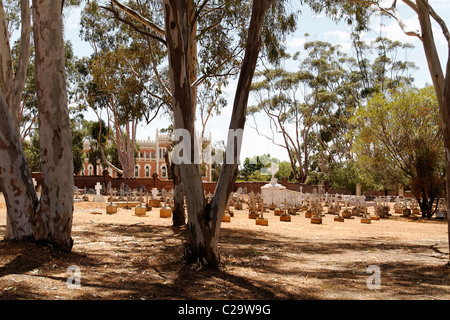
<point x="261" y="221"/>
<point x="98" y="197"/>
<point x="141" y="209"/>
<point x="111" y="207"/>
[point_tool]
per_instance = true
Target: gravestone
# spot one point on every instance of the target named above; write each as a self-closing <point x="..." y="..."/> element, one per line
<point x="111" y="207"/>
<point x="441" y="208"/>
<point x="85" y="196"/>
<point x="285" y="216"/>
<point x="316" y="218"/>
<point x="400" y="190"/>
<point x="165" y="212"/>
<point x="76" y="192"/>
<point x="273" y="192"/>
<point x="141" y="209"/>
<point x="98" y="197"/>
<point x="154" y="202"/>
<point x="261" y="221"/>
<point x="252" y="211"/>
<point x="122" y="192"/>
<point x="346" y="214"/>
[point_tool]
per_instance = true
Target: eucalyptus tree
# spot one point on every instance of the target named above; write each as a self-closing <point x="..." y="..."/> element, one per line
<point x="399" y="139"/>
<point x="297" y="101"/>
<point x="120" y="82"/>
<point x="311" y="108"/>
<point x="13" y="75"/>
<point x="48" y="218"/>
<point x="260" y="26"/>
<point x="224" y="26"/>
<point x="439" y="72"/>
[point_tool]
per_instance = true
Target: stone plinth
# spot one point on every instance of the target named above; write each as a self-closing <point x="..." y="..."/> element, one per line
<point x="154" y="203"/>
<point x="111" y="208"/>
<point x="278" y="212"/>
<point x="273" y="193"/>
<point x="165" y="213"/>
<point x="253" y="215"/>
<point x="262" y="221"/>
<point x="316" y="220"/>
<point x="140" y="210"/>
<point x="366" y="220"/>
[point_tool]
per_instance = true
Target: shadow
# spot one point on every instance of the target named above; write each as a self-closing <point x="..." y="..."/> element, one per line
<point x="122" y="262"/>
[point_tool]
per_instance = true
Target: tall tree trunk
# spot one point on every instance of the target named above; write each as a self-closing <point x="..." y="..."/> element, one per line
<point x="12" y="80"/>
<point x="15" y="181"/>
<point x="446" y="126"/>
<point x="441" y="84"/>
<point x="204" y="219"/>
<point x="56" y="203"/>
<point x="178" y="214"/>
<point x="15" y="177"/>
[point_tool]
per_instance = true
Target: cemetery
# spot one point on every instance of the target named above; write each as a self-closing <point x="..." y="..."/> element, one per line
<point x="300" y="151"/>
<point x="307" y="246"/>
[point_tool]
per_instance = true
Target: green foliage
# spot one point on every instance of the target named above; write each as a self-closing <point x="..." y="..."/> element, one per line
<point x="399" y="140"/>
<point x="256" y="168"/>
<point x="257" y="175"/>
<point x="78" y="137"/>
<point x="32" y="151"/>
<point x="348" y="175"/>
<point x="428" y="182"/>
<point x="284" y="171"/>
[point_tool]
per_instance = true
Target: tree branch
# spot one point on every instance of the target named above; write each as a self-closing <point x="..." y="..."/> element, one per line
<point x="139" y="18"/>
<point x="132" y="25"/>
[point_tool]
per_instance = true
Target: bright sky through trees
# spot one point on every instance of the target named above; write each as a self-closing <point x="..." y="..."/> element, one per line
<point x="318" y="27"/>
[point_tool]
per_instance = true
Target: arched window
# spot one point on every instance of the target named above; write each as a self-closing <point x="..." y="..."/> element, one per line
<point x="163" y="172"/>
<point x="136" y="171"/>
<point x="90" y="169"/>
<point x="147" y="170"/>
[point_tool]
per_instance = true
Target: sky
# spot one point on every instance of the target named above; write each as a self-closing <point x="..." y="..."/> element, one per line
<point x="318" y="27"/>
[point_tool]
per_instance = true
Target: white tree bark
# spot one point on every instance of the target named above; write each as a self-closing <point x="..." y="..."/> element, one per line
<point x="440" y="78"/>
<point x="15" y="181"/>
<point x="56" y="203"/>
<point x="12" y="81"/>
<point x="204" y="220"/>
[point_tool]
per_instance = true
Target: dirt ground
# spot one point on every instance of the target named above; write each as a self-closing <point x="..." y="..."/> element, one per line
<point x="126" y="257"/>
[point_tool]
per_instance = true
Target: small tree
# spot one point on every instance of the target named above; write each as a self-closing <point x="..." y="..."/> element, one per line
<point x="399" y="138"/>
<point x="428" y="184"/>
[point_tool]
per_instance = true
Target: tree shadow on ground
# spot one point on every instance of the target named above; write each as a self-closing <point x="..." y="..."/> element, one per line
<point x="145" y="262"/>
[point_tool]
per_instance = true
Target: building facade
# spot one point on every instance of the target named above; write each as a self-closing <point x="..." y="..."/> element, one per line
<point x="150" y="160"/>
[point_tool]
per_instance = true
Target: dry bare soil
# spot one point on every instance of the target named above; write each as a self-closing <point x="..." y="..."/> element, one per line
<point x="126" y="257"/>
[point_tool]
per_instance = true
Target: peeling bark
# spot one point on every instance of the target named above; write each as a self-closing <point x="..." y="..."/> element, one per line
<point x="56" y="203"/>
<point x="12" y="81"/>
<point x="204" y="220"/>
<point x="15" y="181"/>
<point x="441" y="81"/>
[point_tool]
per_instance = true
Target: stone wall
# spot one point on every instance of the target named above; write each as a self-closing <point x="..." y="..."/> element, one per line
<point x="89" y="182"/>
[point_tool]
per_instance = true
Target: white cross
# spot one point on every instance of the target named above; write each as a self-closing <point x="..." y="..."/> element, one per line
<point x="98" y="188"/>
<point x="273" y="170"/>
